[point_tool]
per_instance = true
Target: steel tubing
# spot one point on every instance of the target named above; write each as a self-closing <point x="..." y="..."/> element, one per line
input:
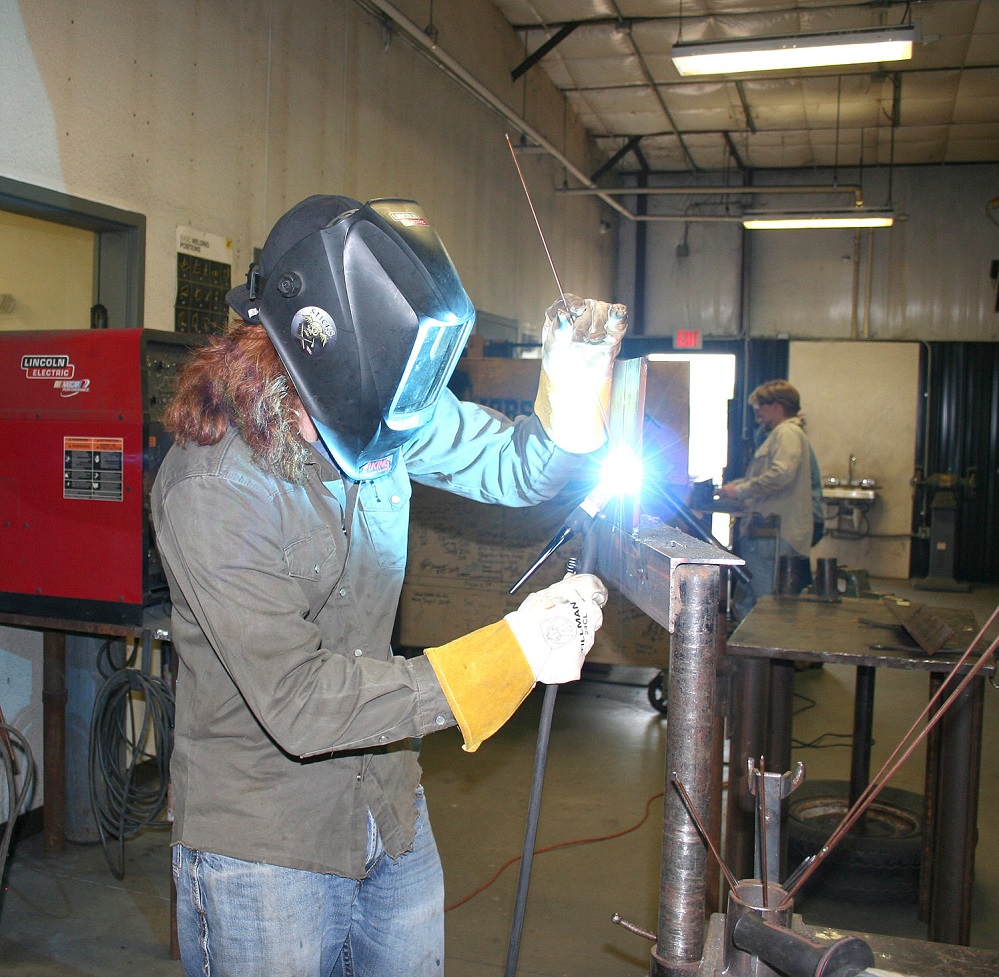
<point x="693" y="663"/>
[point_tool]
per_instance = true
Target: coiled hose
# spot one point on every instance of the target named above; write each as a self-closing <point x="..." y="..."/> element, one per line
<point x="131" y="738"/>
<point x="11" y="737"/>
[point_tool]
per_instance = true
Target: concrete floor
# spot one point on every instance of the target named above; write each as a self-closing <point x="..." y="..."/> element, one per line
<point x="68" y="915"/>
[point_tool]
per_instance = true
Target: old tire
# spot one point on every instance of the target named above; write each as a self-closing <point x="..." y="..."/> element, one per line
<point x="878" y="864"/>
<point x="657" y="693"/>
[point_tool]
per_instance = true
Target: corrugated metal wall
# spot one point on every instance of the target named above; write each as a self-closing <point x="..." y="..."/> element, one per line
<point x="960" y="437"/>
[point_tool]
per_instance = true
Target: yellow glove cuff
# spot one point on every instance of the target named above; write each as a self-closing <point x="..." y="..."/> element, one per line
<point x="485" y="677"/>
<point x="575" y="418"/>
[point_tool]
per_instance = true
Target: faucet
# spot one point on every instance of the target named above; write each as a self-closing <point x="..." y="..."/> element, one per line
<point x="849" y="478"/>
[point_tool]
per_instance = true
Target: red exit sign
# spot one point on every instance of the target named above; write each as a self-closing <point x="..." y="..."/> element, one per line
<point x="687" y="339"/>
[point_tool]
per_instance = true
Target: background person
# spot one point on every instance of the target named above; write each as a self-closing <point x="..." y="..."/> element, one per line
<point x="776" y="492"/>
<point x="302" y="846"/>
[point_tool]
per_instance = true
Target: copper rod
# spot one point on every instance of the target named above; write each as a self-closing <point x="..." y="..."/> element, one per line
<point x="891" y="766"/>
<point x="689" y="804"/>
<point x="761" y="789"/>
<point x="530" y="203"/>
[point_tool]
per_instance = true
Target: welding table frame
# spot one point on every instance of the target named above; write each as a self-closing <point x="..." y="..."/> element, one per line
<point x="779" y="632"/>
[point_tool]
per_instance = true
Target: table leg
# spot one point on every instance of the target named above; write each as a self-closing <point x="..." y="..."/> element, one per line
<point x="54" y="741"/>
<point x="863" y="729"/>
<point x="778" y="750"/>
<point x="955" y="817"/>
<point x="750" y="688"/>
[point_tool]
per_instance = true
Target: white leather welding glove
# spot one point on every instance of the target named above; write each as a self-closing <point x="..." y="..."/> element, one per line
<point x="578" y="349"/>
<point x="487" y="674"/>
<point x="555" y="627"/>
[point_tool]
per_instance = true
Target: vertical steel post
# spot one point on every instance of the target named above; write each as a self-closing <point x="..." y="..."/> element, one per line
<point x="54" y="698"/>
<point x="958" y="774"/>
<point x="692" y="676"/>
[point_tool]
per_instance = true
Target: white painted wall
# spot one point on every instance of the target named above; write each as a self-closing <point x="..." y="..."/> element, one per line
<point x="862" y="398"/>
<point x="219" y="115"/>
<point x="926" y="278"/>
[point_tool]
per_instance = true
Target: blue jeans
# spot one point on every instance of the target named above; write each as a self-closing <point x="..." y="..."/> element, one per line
<point x="250" y="919"/>
<point x="760" y="554"/>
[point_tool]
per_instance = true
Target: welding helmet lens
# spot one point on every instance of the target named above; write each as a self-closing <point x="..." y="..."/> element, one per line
<point x="369" y="317"/>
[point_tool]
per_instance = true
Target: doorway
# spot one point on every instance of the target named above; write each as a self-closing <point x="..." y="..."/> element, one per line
<point x="712" y="386"/>
<point x="119" y="240"/>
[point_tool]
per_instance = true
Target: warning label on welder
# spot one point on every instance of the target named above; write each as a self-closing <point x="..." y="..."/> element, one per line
<point x="92" y="468"/>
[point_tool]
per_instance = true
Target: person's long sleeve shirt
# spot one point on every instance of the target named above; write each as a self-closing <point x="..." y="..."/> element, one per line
<point x="778" y="481"/>
<point x="294" y="718"/>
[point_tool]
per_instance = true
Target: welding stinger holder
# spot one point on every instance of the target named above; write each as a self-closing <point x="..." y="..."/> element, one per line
<point x="578" y="521"/>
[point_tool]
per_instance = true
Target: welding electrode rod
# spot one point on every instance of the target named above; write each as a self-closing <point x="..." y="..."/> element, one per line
<point x="689" y="804"/>
<point x="761" y="780"/>
<point x="891" y="765"/>
<point x="537" y="223"/>
<point x="632" y="928"/>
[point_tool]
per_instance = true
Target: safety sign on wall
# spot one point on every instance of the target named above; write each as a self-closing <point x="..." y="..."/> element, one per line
<point x="204" y="275"/>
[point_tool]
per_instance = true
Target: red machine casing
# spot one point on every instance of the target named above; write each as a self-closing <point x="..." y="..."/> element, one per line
<point x="80" y="444"/>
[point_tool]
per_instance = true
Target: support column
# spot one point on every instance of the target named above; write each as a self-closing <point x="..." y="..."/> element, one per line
<point x="691" y="695"/>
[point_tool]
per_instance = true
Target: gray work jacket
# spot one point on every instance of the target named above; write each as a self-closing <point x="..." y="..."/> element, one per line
<point x="778" y="482"/>
<point x="294" y="718"/>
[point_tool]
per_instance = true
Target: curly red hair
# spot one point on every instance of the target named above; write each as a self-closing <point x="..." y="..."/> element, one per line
<point x="238" y="379"/>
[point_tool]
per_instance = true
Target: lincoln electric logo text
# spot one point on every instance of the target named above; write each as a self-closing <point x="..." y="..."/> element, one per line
<point x="47" y="367"/>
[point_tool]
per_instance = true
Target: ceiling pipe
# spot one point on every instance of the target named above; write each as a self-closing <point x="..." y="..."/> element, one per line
<point x="428" y="47"/>
<point x="709" y="191"/>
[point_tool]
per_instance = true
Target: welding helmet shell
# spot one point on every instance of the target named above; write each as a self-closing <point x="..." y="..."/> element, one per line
<point x="369" y="317"/>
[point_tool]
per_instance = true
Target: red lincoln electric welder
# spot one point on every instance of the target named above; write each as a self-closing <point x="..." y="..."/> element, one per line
<point x="80" y="443"/>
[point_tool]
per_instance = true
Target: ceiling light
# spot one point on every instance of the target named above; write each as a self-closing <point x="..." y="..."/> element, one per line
<point x="786" y="221"/>
<point x="800" y="51"/>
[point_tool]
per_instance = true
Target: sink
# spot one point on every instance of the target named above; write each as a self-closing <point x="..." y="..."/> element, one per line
<point x="848" y="493"/>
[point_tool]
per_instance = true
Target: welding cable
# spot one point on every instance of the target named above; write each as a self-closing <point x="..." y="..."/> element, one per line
<point x="132" y="711"/>
<point x="558" y="845"/>
<point x="11" y="737"/>
<point x="586" y="563"/>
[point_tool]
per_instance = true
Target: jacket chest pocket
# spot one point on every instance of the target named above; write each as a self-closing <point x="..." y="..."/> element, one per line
<point x="385" y="519"/>
<point x="317" y="561"/>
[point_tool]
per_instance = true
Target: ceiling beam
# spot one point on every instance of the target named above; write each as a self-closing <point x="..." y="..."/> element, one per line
<point x="549" y="45"/>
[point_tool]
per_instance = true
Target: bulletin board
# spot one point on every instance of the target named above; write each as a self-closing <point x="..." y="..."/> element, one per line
<point x="204" y="276"/>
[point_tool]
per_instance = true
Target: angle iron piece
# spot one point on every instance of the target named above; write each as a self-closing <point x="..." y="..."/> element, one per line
<point x="641" y="565"/>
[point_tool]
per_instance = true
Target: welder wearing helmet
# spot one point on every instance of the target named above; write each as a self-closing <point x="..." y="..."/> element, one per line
<point x="301" y="839"/>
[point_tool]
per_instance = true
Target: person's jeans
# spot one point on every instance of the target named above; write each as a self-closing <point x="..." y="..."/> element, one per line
<point x="250" y="919"/>
<point x="760" y="554"/>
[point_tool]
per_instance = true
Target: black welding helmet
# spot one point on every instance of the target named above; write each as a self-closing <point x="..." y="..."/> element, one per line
<point x="369" y="317"/>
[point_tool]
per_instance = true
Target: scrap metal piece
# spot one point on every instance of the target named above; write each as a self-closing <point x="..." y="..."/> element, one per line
<point x="922" y="624"/>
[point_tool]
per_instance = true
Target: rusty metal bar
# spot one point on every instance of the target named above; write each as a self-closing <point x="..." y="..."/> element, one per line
<point x="54" y="697"/>
<point x="956" y="799"/>
<point x="692" y="668"/>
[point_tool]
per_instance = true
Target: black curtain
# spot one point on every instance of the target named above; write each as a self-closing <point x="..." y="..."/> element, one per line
<point x="959" y="438"/>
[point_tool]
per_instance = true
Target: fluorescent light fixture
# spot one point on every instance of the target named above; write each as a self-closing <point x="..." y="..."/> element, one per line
<point x="801" y="51"/>
<point x="857" y="218"/>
